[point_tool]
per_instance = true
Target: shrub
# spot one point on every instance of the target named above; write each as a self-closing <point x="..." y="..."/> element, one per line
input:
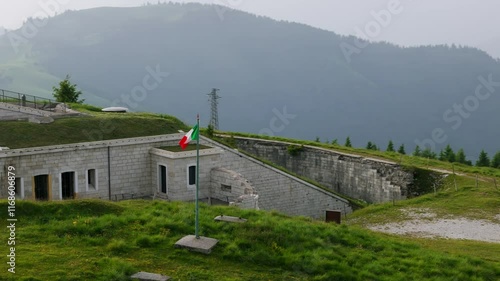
<point x="295" y="150"/>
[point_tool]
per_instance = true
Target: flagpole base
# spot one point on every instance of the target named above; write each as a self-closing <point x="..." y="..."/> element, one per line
<point x="201" y="244"/>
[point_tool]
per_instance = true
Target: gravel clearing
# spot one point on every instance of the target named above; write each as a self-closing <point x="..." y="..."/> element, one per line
<point x="423" y="223"/>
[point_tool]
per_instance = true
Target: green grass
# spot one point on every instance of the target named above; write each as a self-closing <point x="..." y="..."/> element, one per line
<point x="97" y="240"/>
<point x="469" y="201"/>
<point x="94" y="127"/>
<point x="481" y="202"/>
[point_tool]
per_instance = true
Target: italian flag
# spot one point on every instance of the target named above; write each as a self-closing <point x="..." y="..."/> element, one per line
<point x="191" y="135"/>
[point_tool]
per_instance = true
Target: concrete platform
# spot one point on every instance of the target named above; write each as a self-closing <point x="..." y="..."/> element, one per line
<point x="146" y="276"/>
<point x="202" y="244"/>
<point x="229" y="219"/>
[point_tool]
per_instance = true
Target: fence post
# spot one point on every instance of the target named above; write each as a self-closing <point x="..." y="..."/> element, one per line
<point x="454" y="177"/>
<point x="34" y="99"/>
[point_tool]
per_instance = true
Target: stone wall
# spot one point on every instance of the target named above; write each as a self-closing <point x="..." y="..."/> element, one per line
<point x="130" y="163"/>
<point x="133" y="166"/>
<point x="177" y="164"/>
<point x="228" y="186"/>
<point x="278" y="190"/>
<point x="371" y="180"/>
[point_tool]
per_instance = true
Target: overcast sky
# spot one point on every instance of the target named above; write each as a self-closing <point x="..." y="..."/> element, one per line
<point x="418" y="22"/>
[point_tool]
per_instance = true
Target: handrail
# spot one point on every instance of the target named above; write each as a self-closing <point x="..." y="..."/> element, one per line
<point x="26" y="100"/>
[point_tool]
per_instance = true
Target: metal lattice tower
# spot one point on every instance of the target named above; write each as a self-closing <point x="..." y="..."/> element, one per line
<point x="214" y="114"/>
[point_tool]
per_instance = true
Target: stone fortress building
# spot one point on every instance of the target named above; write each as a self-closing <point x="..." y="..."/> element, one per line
<point x="149" y="167"/>
<point x="154" y="167"/>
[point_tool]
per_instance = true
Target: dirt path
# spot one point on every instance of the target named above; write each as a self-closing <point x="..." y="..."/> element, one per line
<point x="424" y="224"/>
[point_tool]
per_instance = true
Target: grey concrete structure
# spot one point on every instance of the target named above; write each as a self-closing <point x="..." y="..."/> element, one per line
<point x="368" y="179"/>
<point x="16" y="112"/>
<point x="142" y="167"/>
<point x="278" y="190"/>
<point x="201" y="244"/>
<point x="229" y="186"/>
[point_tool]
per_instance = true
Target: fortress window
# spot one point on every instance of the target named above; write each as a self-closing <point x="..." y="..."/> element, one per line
<point x="68" y="185"/>
<point x="41" y="187"/>
<point x="162" y="178"/>
<point x="191" y="176"/>
<point x="91" y="179"/>
<point x="19" y="188"/>
<point x="225" y="187"/>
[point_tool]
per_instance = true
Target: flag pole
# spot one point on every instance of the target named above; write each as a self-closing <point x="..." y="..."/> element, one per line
<point x="197" y="177"/>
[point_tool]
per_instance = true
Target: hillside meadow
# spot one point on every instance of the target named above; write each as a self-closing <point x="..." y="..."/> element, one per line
<point x="98" y="240"/>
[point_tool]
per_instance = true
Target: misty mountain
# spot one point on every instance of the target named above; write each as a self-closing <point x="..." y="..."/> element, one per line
<point x="274" y="77"/>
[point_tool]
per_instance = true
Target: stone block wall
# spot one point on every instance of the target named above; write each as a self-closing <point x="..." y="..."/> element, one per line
<point x="130" y="163"/>
<point x="278" y="190"/>
<point x="133" y="168"/>
<point x="228" y="186"/>
<point x="177" y="170"/>
<point x="371" y="180"/>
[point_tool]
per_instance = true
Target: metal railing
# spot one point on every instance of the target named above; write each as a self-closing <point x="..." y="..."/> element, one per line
<point x="21" y="99"/>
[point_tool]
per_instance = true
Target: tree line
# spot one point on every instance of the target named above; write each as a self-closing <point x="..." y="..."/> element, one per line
<point x="447" y="154"/>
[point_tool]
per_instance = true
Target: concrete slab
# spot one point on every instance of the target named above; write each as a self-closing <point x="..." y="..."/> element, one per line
<point x="41" y="119"/>
<point x="229" y="219"/>
<point x="146" y="276"/>
<point x="202" y="244"/>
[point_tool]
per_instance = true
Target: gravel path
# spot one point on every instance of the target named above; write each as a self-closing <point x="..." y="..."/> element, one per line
<point x="424" y="224"/>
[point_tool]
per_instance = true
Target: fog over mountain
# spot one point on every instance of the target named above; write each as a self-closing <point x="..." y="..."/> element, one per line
<point x="274" y="77"/>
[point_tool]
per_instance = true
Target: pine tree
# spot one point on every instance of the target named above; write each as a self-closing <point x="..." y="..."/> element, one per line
<point x="67" y="92"/>
<point x="483" y="160"/>
<point x="390" y="146"/>
<point x="428" y="153"/>
<point x="348" y="142"/>
<point x="317" y="139"/>
<point x="495" y="162"/>
<point x="335" y="142"/>
<point x="401" y="149"/>
<point x="210" y="131"/>
<point x="447" y="154"/>
<point x="441" y="155"/>
<point x="369" y="145"/>
<point x="417" y="151"/>
<point x="460" y="156"/>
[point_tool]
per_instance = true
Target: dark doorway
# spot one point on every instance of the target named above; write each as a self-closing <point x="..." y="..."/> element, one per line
<point x="18" y="187"/>
<point x="163" y="179"/>
<point x="192" y="175"/>
<point x="68" y="185"/>
<point x="42" y="187"/>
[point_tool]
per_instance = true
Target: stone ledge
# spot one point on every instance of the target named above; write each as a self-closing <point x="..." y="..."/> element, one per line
<point x="91" y="145"/>
<point x="201" y="244"/>
<point x="229" y="219"/>
<point x="187" y="154"/>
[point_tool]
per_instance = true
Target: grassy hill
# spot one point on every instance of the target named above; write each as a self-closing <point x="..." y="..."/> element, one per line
<point x="94" y="240"/>
<point x="96" y="126"/>
<point x="469" y="202"/>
